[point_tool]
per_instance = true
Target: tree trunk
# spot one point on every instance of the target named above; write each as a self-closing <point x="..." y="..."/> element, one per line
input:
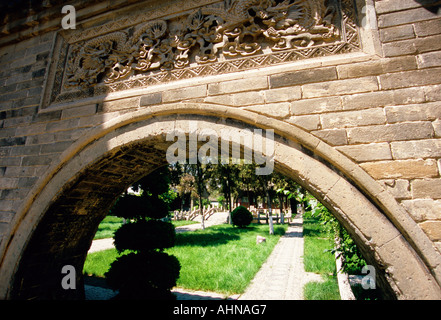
<point x="270" y="215"/>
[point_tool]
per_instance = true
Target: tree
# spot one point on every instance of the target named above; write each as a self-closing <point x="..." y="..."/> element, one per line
<point x="147" y="272"/>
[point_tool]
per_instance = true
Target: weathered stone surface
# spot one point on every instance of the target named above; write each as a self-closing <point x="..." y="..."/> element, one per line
<point x="402" y="169"/>
<point x="367" y="152"/>
<point x="365" y="113"/>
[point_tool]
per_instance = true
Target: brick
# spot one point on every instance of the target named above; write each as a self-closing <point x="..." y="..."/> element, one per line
<point x="414" y="112"/>
<point x="184" y="93"/>
<point x="427" y="28"/>
<point x="437" y="127"/>
<point x="401" y="169"/>
<point x="416" y="149"/>
<point x="83" y="111"/>
<point x="62" y="125"/>
<point x="410" y="78"/>
<point x="309" y="122"/>
<point x="400" y="189"/>
<point x="311" y="106"/>
<point x="386" y="6"/>
<point x="55" y="147"/>
<point x="278" y="110"/>
<point x="335" y="137"/>
<point x="428" y="60"/>
<point x="409" y="16"/>
<point x="340" y="87"/>
<point x="390" y="132"/>
<point x="47" y="116"/>
<point x="8" y="183"/>
<point x="383" y="98"/>
<point x="12" y="141"/>
<point x="367" y="152"/>
<point x="25" y="150"/>
<point x="151" y="99"/>
<point x="353" y="118"/>
<point x="426" y="188"/>
<point x="433" y="93"/>
<point x="423" y="209"/>
<point x="362" y="69"/>
<point x="247" y="98"/>
<point x="432" y="229"/>
<point x="233" y="86"/>
<point x="282" y="94"/>
<point x="397" y="33"/>
<point x="37" y="160"/>
<point x="302" y="77"/>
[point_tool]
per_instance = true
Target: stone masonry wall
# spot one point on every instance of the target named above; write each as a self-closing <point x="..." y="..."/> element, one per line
<point x="383" y="112"/>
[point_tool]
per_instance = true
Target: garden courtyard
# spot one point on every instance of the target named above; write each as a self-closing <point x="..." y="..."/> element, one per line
<point x="225" y="262"/>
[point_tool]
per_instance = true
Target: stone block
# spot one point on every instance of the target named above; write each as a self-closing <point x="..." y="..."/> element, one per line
<point x="397" y="33"/>
<point x="313" y="106"/>
<point x="409" y="16"/>
<point x="399" y="188"/>
<point x="347" y="119"/>
<point x="427" y="28"/>
<point x="282" y="94"/>
<point x="347" y="86"/>
<point x="391" y="132"/>
<point x="426" y="188"/>
<point x="8" y="183"/>
<point x="410" y="78"/>
<point x="414" y="112"/>
<point x="151" y="99"/>
<point x="302" y="77"/>
<point x="416" y="149"/>
<point x="430" y="59"/>
<point x="83" y="111"/>
<point x="335" y="137"/>
<point x="423" y="209"/>
<point x="184" y="93"/>
<point x="382" y="98"/>
<point x="432" y="229"/>
<point x="402" y="169"/>
<point x="233" y="86"/>
<point x="309" y="122"/>
<point x="367" y="152"/>
<point x="277" y="110"/>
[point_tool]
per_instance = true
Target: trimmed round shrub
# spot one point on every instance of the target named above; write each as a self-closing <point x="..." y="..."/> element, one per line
<point x="145" y="235"/>
<point x="146" y="275"/>
<point x="241" y="217"/>
<point x="135" y="207"/>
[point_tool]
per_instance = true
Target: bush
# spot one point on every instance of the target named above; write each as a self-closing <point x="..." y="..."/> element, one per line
<point x="145" y="235"/>
<point x="241" y="217"/>
<point x="154" y="280"/>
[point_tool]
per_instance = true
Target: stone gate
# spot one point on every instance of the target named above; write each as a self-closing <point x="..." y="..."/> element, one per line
<point x="350" y="88"/>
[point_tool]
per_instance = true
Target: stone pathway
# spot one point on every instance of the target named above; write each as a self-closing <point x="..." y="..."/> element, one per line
<point x="282" y="276"/>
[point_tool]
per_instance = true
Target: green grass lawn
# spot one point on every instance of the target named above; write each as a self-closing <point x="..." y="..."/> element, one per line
<point x="318" y="259"/>
<point x="221" y="258"/>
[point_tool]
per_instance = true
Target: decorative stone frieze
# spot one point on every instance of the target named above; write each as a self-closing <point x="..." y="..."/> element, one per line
<point x="224" y="37"/>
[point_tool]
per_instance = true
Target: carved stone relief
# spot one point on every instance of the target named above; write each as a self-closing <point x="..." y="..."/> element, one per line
<point x="223" y="37"/>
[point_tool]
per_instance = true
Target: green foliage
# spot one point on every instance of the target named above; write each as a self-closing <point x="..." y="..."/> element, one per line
<point x="241" y="217"/>
<point x="146" y="272"/>
<point x="159" y="272"/>
<point x="353" y="261"/>
<point x="145" y="235"/>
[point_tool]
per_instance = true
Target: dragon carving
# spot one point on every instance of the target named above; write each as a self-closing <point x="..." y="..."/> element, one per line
<point x="232" y="28"/>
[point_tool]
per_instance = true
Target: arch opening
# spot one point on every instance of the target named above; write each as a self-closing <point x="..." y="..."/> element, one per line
<point x="83" y="189"/>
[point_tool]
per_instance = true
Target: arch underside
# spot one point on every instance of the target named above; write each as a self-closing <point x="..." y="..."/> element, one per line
<point x="92" y="179"/>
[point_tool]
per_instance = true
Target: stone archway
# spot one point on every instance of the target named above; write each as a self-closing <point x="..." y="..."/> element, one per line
<point x="55" y="226"/>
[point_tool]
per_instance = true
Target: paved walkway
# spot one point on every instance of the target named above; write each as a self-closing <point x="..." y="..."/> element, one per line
<point x="281" y="277"/>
